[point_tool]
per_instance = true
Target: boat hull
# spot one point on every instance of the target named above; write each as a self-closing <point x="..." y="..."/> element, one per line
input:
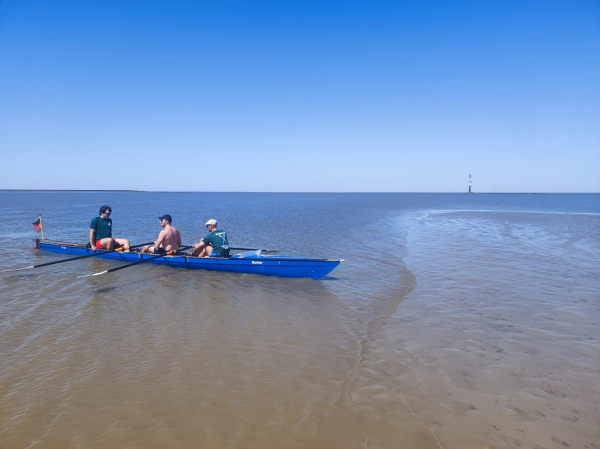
<point x="289" y="267"/>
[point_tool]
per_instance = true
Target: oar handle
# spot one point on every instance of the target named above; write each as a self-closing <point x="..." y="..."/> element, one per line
<point x="142" y="244"/>
<point x="144" y="260"/>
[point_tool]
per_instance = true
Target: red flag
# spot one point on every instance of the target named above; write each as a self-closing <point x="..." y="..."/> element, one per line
<point x="37" y="225"/>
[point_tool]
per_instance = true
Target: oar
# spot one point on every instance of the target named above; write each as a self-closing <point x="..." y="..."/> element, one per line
<point x="253" y="249"/>
<point x="133" y="263"/>
<point x="256" y="249"/>
<point x="94" y="253"/>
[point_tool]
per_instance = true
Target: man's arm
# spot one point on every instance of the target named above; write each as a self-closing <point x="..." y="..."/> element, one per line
<point x="161" y="238"/>
<point x="200" y="245"/>
<point x="209" y="240"/>
<point x="93" y="238"/>
<point x="179" y="238"/>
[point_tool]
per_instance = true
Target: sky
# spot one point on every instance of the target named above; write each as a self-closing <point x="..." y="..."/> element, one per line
<point x="315" y="96"/>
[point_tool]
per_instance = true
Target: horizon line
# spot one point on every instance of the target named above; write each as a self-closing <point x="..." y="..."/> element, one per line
<point x="297" y="191"/>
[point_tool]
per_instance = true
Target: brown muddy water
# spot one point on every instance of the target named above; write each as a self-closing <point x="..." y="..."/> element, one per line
<point x="457" y="321"/>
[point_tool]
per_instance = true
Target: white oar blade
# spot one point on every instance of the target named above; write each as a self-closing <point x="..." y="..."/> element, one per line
<point x="93" y="274"/>
<point x="18" y="269"/>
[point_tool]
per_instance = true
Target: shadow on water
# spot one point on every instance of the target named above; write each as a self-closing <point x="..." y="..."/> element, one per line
<point x="11" y="279"/>
<point x="333" y="278"/>
<point x="25" y="275"/>
<point x="121" y="285"/>
<point x="105" y="289"/>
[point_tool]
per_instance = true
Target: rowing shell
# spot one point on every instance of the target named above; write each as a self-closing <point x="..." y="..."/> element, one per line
<point x="249" y="263"/>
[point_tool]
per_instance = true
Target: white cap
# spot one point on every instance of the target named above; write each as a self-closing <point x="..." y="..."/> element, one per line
<point x="212" y="221"/>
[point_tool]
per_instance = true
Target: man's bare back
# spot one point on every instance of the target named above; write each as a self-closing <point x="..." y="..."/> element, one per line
<point x="169" y="239"/>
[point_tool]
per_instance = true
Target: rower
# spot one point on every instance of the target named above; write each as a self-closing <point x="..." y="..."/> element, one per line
<point x="215" y="244"/>
<point x="101" y="232"/>
<point x="169" y="239"/>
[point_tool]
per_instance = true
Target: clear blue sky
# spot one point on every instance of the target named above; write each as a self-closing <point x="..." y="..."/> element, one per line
<point x="300" y="96"/>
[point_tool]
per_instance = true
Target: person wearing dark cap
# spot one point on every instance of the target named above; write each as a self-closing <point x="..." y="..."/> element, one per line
<point x="215" y="244"/>
<point x="169" y="238"/>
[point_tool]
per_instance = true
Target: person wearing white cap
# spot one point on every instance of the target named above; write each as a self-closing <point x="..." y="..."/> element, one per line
<point x="215" y="244"/>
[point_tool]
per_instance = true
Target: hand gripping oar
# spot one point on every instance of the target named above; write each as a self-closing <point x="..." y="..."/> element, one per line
<point x="94" y="253"/>
<point x="135" y="263"/>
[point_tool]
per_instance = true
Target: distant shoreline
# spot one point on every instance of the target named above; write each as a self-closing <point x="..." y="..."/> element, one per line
<point x="274" y="192"/>
<point x="65" y="190"/>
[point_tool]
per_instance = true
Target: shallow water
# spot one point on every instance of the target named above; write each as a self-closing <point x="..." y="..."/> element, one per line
<point x="456" y="321"/>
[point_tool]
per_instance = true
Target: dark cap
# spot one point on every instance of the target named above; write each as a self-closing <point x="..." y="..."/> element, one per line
<point x="166" y="217"/>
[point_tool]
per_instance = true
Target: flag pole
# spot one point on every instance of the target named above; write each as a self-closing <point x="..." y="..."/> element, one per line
<point x="42" y="226"/>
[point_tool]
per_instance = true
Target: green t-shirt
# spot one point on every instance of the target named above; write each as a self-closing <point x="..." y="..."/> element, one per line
<point x="219" y="242"/>
<point x="103" y="228"/>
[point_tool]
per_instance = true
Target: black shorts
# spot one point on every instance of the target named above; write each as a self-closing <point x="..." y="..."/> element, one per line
<point x="159" y="251"/>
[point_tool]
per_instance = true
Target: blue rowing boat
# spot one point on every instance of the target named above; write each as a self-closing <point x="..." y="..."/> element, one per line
<point x="251" y="262"/>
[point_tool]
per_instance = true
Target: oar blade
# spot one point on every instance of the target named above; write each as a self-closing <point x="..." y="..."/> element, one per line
<point x="18" y="269"/>
<point x="93" y="274"/>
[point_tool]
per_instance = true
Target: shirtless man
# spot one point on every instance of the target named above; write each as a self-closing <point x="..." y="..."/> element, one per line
<point x="169" y="238"/>
<point x="101" y="232"/>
